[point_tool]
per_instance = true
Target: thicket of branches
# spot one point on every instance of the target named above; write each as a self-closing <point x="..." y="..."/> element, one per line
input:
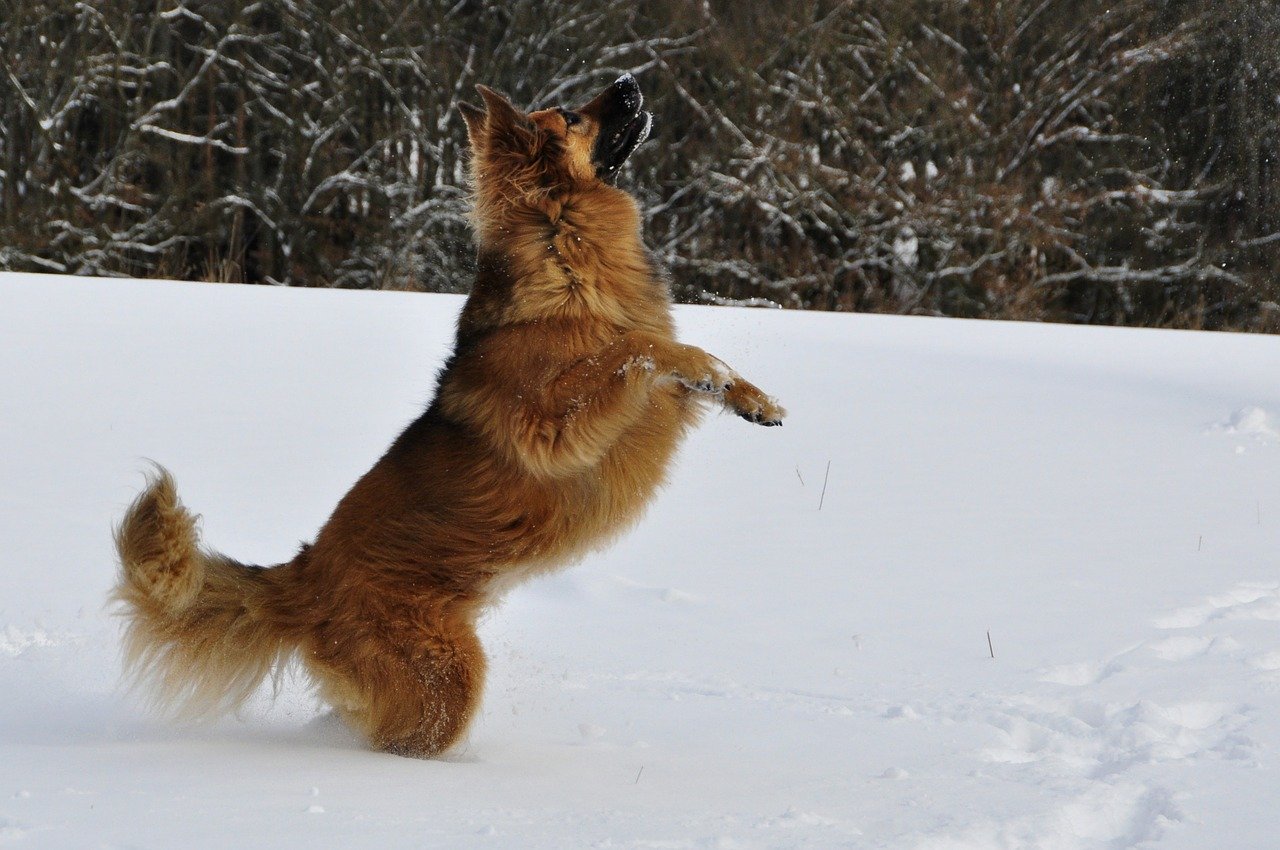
<point x="1074" y="160"/>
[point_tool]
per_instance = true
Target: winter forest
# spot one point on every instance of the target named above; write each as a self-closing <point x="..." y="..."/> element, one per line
<point x="1099" y="161"/>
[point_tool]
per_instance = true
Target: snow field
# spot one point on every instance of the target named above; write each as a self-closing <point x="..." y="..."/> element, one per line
<point x="791" y="650"/>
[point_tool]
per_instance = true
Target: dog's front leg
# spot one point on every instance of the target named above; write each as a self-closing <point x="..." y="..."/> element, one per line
<point x="588" y="406"/>
<point x="700" y="372"/>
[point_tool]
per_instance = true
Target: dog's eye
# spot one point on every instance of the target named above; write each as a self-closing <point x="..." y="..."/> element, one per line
<point x="570" y="118"/>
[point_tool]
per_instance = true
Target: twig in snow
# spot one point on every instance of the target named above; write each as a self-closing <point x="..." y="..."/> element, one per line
<point x="990" y="648"/>
<point x="798" y="475"/>
<point x="823" y="497"/>
<point x="640" y="771"/>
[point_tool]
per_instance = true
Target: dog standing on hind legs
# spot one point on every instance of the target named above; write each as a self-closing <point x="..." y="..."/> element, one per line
<point x="552" y="425"/>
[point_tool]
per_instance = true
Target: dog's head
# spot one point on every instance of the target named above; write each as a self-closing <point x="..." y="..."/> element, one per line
<point x="555" y="151"/>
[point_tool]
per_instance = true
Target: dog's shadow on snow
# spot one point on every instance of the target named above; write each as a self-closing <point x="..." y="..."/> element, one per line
<point x="45" y="704"/>
<point x="52" y="713"/>
<point x="102" y="720"/>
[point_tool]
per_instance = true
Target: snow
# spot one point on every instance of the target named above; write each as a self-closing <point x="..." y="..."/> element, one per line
<point x="1250" y="422"/>
<point x="791" y="650"/>
<point x="906" y="247"/>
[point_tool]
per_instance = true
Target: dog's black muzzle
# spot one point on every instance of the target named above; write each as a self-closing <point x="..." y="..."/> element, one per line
<point x="624" y="124"/>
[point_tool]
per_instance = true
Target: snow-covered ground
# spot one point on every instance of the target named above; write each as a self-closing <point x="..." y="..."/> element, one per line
<point x="790" y="651"/>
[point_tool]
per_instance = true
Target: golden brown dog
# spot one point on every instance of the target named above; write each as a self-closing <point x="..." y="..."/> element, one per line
<point x="552" y="425"/>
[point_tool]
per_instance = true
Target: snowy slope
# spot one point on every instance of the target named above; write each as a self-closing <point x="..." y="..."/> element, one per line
<point x="777" y="657"/>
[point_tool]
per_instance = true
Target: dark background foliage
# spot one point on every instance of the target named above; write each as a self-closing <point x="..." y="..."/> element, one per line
<point x="1067" y="160"/>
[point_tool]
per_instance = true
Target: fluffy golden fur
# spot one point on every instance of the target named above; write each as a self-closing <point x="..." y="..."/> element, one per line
<point x="552" y="424"/>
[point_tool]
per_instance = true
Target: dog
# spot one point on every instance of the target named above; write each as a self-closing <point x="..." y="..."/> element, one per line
<point x="553" y="422"/>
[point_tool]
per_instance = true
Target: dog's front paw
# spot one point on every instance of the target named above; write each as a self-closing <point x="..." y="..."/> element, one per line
<point x="714" y="380"/>
<point x="697" y="371"/>
<point x="751" y="403"/>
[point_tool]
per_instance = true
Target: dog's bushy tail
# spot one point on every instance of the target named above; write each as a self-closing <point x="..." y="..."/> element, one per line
<point x="204" y="630"/>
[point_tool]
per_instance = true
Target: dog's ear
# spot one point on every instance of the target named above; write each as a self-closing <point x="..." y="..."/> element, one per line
<point x="501" y="114"/>
<point x="474" y="116"/>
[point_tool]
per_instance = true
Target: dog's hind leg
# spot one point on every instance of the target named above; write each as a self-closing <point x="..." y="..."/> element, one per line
<point x="410" y="687"/>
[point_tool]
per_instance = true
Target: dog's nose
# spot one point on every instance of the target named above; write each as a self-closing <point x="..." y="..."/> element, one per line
<point x="629" y="90"/>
